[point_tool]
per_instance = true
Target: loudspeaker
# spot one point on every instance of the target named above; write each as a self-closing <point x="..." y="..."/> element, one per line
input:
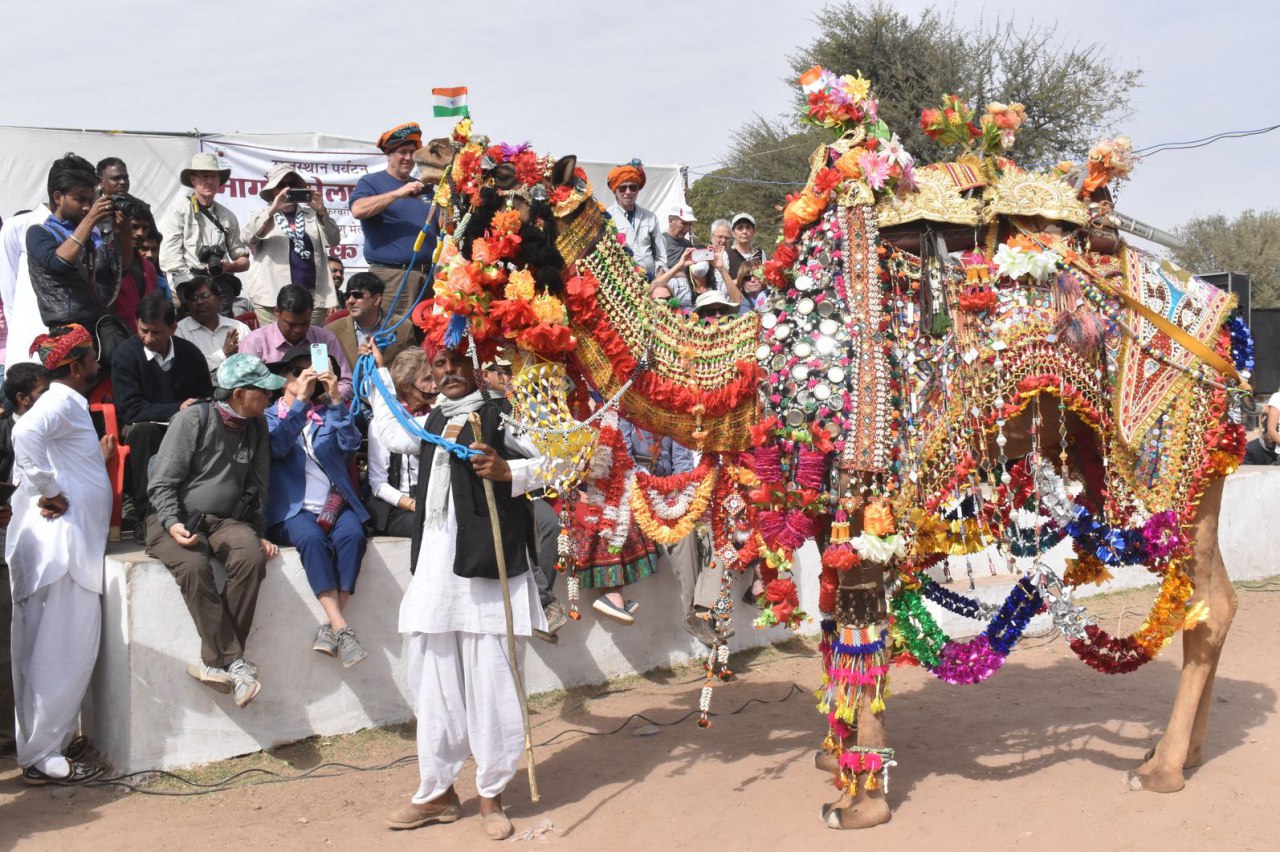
<point x="1238" y="283"/>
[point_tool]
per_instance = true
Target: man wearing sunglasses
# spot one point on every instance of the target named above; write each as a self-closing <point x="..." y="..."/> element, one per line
<point x="638" y="226"/>
<point x="365" y="317"/>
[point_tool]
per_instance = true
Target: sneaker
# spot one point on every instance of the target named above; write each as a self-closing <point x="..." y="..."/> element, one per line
<point x="349" y="647"/>
<point x="556" y="617"/>
<point x="246" y="685"/>
<point x="700" y="628"/>
<point x="213" y="677"/>
<point x="326" y="641"/>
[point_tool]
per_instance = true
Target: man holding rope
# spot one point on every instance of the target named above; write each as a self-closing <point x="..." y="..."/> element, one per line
<point x="464" y="687"/>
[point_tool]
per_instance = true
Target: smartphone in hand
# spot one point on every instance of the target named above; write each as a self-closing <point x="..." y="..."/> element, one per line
<point x="320" y="357"/>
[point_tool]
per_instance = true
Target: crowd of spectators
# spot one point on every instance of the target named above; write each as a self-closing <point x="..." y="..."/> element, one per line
<point x="227" y="350"/>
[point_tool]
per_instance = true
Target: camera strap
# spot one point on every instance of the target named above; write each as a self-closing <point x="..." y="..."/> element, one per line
<point x="208" y="214"/>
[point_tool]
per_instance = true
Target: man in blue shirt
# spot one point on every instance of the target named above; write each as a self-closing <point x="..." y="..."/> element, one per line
<point x="392" y="209"/>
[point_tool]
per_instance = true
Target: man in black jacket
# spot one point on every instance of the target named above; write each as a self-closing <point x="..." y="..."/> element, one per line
<point x="154" y="376"/>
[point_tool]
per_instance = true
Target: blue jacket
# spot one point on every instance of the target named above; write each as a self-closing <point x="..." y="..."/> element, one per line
<point x="334" y="442"/>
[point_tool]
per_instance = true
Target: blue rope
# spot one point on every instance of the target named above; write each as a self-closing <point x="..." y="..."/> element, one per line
<point x="365" y="377"/>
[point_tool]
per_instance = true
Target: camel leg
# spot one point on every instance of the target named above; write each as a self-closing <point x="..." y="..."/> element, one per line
<point x="869" y="807"/>
<point x="1183" y="740"/>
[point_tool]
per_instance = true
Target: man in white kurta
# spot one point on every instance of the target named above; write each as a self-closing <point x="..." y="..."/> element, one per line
<point x="55" y="548"/>
<point x="21" y="313"/>
<point x="463" y="689"/>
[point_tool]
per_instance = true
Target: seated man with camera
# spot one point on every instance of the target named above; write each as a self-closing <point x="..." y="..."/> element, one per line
<point x="200" y="235"/>
<point x="154" y="375"/>
<point x="207" y="494"/>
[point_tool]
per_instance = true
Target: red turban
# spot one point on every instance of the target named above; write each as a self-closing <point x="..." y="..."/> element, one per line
<point x="61" y="350"/>
<point x="631" y="172"/>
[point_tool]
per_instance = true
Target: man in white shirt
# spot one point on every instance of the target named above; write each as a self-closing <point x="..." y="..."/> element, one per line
<point x="638" y="226"/>
<point x="55" y="547"/>
<point x="464" y="691"/>
<point x="215" y="335"/>
<point x="21" y="313"/>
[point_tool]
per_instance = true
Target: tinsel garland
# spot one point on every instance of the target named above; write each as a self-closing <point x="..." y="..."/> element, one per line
<point x="968" y="662"/>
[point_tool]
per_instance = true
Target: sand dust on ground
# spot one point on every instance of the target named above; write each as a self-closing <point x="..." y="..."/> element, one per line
<point x="1033" y="759"/>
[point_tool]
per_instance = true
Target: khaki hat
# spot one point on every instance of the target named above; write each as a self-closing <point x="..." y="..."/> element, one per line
<point x="204" y="162"/>
<point x="278" y="173"/>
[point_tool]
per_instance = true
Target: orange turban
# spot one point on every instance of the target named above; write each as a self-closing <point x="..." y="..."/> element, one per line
<point x="631" y="172"/>
<point x="397" y="136"/>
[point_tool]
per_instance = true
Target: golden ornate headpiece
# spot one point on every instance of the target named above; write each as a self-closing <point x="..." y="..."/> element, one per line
<point x="1017" y="193"/>
<point x="936" y="199"/>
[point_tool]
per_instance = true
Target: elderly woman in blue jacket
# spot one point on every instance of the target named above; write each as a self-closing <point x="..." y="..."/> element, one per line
<point x="312" y="502"/>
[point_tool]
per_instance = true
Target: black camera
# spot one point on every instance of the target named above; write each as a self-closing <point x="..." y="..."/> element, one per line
<point x="211" y="257"/>
<point x="132" y="208"/>
<point x="298" y="196"/>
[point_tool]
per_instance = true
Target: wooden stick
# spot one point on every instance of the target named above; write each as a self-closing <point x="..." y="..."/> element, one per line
<point x="506" y="607"/>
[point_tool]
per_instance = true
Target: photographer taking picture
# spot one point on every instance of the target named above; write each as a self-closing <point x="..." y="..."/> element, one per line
<point x="201" y="237"/>
<point x="74" y="265"/>
<point x="290" y="240"/>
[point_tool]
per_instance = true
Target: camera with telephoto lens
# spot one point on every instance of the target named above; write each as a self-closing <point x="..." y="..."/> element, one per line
<point x="211" y="257"/>
<point x="132" y="208"/>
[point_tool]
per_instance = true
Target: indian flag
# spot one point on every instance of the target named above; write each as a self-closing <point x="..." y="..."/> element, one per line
<point x="450" y="102"/>
<point x="811" y="80"/>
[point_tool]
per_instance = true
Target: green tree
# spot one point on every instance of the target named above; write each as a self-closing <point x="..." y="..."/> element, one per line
<point x="1249" y="244"/>
<point x="1073" y="94"/>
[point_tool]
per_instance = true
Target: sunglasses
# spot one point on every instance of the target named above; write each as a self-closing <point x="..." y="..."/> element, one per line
<point x="295" y="371"/>
<point x="629" y="187"/>
<point x="358" y="294"/>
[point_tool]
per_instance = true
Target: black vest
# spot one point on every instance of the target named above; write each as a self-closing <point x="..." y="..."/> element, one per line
<point x="475" y="555"/>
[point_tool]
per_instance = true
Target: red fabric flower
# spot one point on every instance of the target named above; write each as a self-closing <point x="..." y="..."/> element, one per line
<point x="786" y="254"/>
<point x="781" y="590"/>
<point x="826" y="180"/>
<point x="547" y="339"/>
<point x="783" y="611"/>
<point x="514" y="315"/>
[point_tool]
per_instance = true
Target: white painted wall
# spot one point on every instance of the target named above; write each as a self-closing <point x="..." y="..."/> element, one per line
<point x="146" y="713"/>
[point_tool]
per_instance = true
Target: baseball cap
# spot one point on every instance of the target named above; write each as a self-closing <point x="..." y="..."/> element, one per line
<point x="682" y="211"/>
<point x="740" y="217"/>
<point x="247" y="371"/>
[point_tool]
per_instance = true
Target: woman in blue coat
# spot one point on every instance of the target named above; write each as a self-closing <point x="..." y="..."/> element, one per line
<point x="313" y="503"/>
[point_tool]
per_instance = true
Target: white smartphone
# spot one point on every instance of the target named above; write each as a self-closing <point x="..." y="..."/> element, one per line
<point x="320" y="357"/>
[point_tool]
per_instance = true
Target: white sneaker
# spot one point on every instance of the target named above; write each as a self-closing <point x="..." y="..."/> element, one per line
<point x="246" y="684"/>
<point x="213" y="677"/>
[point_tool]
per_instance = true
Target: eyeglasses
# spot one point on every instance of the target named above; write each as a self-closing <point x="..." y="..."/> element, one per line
<point x="358" y="294"/>
<point x="629" y="187"/>
<point x="202" y="296"/>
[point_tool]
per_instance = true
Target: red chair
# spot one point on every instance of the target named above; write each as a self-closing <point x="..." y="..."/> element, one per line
<point x="249" y="318"/>
<point x="100" y="402"/>
<point x="336" y="313"/>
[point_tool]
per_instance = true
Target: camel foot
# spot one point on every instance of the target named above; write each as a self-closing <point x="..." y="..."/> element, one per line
<point x="1195" y="757"/>
<point x="863" y="811"/>
<point x="1156" y="779"/>
<point x="825" y="761"/>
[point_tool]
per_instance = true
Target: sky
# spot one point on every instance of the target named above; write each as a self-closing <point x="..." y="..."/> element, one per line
<point x="663" y="80"/>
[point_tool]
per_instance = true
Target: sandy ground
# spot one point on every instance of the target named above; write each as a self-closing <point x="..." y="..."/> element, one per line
<point x="1033" y="759"/>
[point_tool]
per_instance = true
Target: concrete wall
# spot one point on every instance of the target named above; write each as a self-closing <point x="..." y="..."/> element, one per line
<point x="146" y="713"/>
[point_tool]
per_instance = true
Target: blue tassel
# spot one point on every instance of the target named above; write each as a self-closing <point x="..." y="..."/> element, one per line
<point x="453" y="334"/>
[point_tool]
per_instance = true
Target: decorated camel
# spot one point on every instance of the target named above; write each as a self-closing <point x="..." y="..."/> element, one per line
<point x="949" y="358"/>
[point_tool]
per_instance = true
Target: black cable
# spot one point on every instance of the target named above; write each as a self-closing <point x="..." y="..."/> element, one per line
<point x="279" y="778"/>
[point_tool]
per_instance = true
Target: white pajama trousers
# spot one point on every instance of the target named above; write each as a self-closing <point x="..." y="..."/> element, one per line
<point x="56" y="632"/>
<point x="466" y="703"/>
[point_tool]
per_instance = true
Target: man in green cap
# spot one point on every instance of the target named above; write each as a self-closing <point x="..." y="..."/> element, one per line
<point x="207" y="492"/>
